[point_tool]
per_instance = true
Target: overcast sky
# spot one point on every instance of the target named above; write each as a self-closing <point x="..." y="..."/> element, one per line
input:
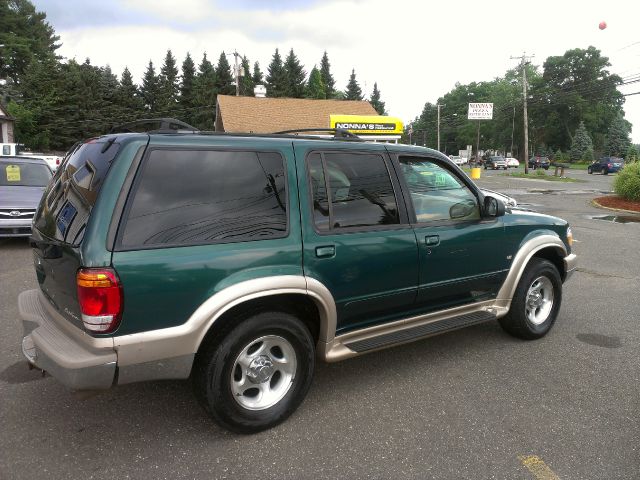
<point x="415" y="50"/>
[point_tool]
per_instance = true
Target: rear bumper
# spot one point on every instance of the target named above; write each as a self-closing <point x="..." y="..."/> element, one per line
<point x="570" y="265"/>
<point x="60" y="350"/>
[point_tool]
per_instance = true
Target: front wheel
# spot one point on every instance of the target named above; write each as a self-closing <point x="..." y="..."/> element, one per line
<point x="258" y="373"/>
<point x="536" y="302"/>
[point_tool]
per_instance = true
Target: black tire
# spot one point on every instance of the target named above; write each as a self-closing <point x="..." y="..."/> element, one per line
<point x="546" y="168"/>
<point x="215" y="362"/>
<point x="605" y="171"/>
<point x="516" y="321"/>
<point x="485" y="167"/>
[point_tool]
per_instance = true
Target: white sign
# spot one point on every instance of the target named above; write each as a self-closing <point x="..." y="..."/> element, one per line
<point x="480" y="111"/>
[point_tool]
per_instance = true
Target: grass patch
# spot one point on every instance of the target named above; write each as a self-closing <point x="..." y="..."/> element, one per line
<point x="543" y="176"/>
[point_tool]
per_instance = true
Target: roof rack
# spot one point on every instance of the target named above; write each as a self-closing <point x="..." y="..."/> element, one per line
<point x="155" y="125"/>
<point x="340" y="133"/>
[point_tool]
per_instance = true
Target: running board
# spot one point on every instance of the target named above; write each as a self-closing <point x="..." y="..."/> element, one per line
<point x="424" y="330"/>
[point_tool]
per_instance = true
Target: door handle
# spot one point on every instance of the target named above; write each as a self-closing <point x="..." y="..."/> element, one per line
<point x="325" y="251"/>
<point x="432" y="240"/>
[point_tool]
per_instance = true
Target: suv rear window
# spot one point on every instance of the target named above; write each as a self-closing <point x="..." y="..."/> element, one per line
<point x="66" y="206"/>
<point x="192" y="197"/>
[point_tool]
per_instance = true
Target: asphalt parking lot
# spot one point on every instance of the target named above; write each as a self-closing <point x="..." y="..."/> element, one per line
<point x="472" y="404"/>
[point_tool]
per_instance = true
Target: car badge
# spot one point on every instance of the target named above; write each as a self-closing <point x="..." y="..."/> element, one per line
<point x="14" y="213"/>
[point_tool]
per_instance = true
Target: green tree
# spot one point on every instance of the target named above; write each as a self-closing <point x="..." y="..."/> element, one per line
<point x="353" y="92"/>
<point x="257" y="77"/>
<point x="575" y="87"/>
<point x="168" y="87"/>
<point x="295" y="76"/>
<point x="25" y="35"/>
<point x="315" y="87"/>
<point x="246" y="80"/>
<point x="618" y="141"/>
<point x="128" y="98"/>
<point x="581" y="145"/>
<point x="327" y="79"/>
<point x="375" y="100"/>
<point x="224" y="79"/>
<point x="186" y="100"/>
<point x="205" y="96"/>
<point x="149" y="90"/>
<point x="276" y="77"/>
<point x="632" y="154"/>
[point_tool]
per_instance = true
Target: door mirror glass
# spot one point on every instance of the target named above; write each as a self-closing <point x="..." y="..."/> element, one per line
<point x="493" y="207"/>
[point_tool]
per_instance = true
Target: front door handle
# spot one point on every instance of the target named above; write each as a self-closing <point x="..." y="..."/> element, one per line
<point x="325" y="251"/>
<point x="432" y="240"/>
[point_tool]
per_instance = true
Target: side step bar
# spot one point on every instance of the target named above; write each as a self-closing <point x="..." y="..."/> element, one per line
<point x="424" y="330"/>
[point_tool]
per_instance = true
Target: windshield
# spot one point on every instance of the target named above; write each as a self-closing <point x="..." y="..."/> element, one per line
<point x="20" y="174"/>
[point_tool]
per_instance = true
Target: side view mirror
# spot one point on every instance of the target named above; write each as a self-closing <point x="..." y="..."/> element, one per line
<point x="493" y="207"/>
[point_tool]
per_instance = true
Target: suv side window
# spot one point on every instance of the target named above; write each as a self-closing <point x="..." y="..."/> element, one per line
<point x="191" y="197"/>
<point x="436" y="193"/>
<point x="351" y="190"/>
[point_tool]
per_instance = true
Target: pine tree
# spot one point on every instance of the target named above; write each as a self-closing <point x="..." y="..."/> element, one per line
<point x="257" y="76"/>
<point x="295" y="76"/>
<point x="150" y="88"/>
<point x="375" y="100"/>
<point x="204" y="93"/>
<point x="315" y="87"/>
<point x="618" y="141"/>
<point x="224" y="79"/>
<point x="327" y="79"/>
<point x="354" y="92"/>
<point x="128" y="98"/>
<point x="168" y="86"/>
<point x="276" y="77"/>
<point x="246" y="80"/>
<point x="186" y="100"/>
<point x="581" y="144"/>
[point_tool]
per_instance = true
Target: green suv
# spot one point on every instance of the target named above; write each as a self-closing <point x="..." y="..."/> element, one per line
<point x="238" y="260"/>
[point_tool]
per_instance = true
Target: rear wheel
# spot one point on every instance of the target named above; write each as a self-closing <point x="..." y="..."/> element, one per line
<point x="605" y="171"/>
<point x="257" y="374"/>
<point x="536" y="302"/>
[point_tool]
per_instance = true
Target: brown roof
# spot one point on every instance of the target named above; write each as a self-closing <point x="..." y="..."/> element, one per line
<point x="268" y="115"/>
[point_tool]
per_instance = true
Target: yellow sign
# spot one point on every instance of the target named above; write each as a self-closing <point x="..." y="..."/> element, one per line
<point x="367" y="124"/>
<point x="13" y="173"/>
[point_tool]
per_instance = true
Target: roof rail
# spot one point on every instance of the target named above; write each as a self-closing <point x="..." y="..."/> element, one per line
<point x="337" y="132"/>
<point x="154" y="125"/>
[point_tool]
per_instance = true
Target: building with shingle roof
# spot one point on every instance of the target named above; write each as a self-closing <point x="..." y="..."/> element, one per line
<point x="268" y="115"/>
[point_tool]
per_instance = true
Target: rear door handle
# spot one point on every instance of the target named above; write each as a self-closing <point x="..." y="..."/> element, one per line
<point x="432" y="240"/>
<point x="325" y="251"/>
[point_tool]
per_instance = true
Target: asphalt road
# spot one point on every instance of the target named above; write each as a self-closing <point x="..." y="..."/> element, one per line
<point x="472" y="404"/>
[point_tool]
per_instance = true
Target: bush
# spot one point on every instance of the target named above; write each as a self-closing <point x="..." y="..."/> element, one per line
<point x="541" y="173"/>
<point x="627" y="182"/>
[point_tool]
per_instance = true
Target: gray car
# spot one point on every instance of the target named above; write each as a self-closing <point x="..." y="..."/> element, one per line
<point x="22" y="182"/>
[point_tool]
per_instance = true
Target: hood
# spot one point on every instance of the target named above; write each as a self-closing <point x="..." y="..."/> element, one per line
<point x="20" y="197"/>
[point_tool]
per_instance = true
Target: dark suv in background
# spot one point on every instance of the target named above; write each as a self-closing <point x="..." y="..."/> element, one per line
<point x="539" y="162"/>
<point x="606" y="165"/>
<point x="238" y="260"/>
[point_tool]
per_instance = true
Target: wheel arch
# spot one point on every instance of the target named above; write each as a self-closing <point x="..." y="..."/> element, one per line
<point x="546" y="246"/>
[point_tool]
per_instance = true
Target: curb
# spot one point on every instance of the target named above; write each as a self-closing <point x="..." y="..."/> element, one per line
<point x="596" y="204"/>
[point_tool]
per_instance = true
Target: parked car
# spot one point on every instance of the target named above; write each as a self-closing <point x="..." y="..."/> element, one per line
<point x="495" y="162"/>
<point x="606" y="165"/>
<point x="508" y="201"/>
<point x="512" y="162"/>
<point x="238" y="260"/>
<point x="539" y="162"/>
<point x="22" y="181"/>
<point x="458" y="160"/>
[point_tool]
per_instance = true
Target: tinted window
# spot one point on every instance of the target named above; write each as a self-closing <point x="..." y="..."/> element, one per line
<point x="351" y="190"/>
<point x="436" y="193"/>
<point x="73" y="192"/>
<point x="198" y="197"/>
<point x="24" y="175"/>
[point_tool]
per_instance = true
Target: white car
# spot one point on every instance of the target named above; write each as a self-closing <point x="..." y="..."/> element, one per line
<point x="512" y="162"/>
<point x="458" y="160"/>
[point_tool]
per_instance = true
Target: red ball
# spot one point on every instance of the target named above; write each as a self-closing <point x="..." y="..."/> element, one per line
<point x="602" y="25"/>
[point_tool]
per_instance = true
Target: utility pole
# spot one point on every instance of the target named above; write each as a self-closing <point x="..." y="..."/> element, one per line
<point x="523" y="64"/>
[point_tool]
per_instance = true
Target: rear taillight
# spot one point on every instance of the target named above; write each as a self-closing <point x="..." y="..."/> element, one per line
<point x="609" y="165"/>
<point x="100" y="298"/>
